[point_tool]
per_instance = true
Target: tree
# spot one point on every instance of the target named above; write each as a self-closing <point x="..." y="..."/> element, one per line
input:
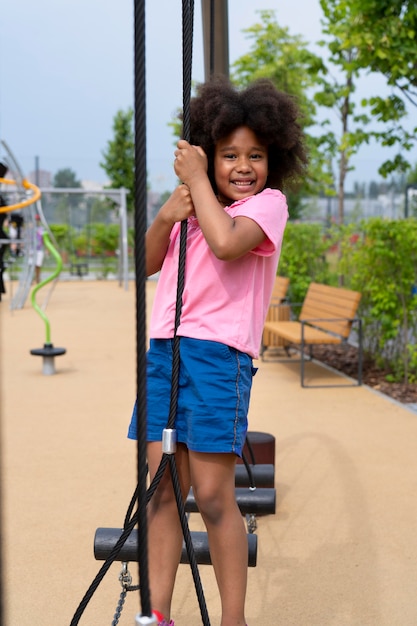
<point x="119" y="157"/>
<point x="339" y="93"/>
<point x="383" y="34"/>
<point x="286" y="60"/>
<point x="66" y="178"/>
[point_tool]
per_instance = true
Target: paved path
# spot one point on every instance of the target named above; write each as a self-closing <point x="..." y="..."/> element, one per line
<point x="341" y="549"/>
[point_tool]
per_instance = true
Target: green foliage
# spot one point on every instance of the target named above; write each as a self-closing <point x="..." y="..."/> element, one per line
<point x="303" y="258"/>
<point x="66" y="178"/>
<point x="94" y="243"/>
<point x="385" y="33"/>
<point x="105" y="238"/>
<point x="102" y="239"/>
<point x="80" y="246"/>
<point x="131" y="238"/>
<point x="382" y="265"/>
<point x="119" y="157"/>
<point x="281" y="57"/>
<point x="64" y="235"/>
<point x="376" y="257"/>
<point x="379" y="36"/>
<point x="60" y="233"/>
<point x="105" y="243"/>
<point x="339" y="94"/>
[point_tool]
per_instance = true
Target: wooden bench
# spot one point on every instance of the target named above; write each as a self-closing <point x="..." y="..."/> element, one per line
<point x="279" y="292"/>
<point x="277" y="311"/>
<point x="79" y="269"/>
<point x="327" y="316"/>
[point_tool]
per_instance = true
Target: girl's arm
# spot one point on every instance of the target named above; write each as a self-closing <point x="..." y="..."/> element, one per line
<point x="178" y="207"/>
<point x="229" y="238"/>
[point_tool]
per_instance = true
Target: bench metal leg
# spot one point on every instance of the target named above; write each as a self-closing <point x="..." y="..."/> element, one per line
<point x="360" y="361"/>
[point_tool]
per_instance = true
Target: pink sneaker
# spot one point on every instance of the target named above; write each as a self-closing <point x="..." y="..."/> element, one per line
<point x="161" y="619"/>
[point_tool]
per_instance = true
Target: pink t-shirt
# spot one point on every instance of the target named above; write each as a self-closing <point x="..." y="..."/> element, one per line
<point x="224" y="301"/>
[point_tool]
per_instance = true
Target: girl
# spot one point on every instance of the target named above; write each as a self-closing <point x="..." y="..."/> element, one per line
<point x="244" y="145"/>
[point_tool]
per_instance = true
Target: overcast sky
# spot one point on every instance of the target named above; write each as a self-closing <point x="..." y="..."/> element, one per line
<point x="66" y="68"/>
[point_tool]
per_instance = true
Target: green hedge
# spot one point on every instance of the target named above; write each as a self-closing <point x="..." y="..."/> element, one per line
<point x="382" y="265"/>
<point x="305" y="258"/>
<point x="376" y="257"/>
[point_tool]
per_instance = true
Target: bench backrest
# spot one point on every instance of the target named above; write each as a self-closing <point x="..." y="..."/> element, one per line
<point x="326" y="302"/>
<point x="280" y="289"/>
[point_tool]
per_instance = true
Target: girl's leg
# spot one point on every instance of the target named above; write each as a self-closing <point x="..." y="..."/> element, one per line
<point x="213" y="481"/>
<point x="164" y="528"/>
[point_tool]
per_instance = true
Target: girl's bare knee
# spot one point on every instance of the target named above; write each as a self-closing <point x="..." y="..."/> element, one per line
<point x="212" y="506"/>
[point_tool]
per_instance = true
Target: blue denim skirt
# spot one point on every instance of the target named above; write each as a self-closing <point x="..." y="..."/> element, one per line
<point x="214" y="389"/>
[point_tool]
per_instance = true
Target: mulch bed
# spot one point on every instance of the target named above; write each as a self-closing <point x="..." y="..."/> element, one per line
<point x="345" y="359"/>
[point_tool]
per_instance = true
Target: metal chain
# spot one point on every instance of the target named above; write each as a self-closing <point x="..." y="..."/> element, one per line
<point x="125" y="579"/>
<point x="119" y="607"/>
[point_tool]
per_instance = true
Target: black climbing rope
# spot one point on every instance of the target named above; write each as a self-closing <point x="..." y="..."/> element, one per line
<point x="212" y="41"/>
<point x="187" y="29"/>
<point x="140" y="269"/>
<point x="142" y="495"/>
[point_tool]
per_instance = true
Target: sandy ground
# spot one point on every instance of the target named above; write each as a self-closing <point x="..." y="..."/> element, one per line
<point x="341" y="549"/>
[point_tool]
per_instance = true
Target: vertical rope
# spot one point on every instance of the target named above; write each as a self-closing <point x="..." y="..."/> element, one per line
<point x="187" y="29"/>
<point x="140" y="267"/>
<point x="187" y="49"/>
<point x="142" y="496"/>
<point x="187" y="56"/>
<point x="212" y="30"/>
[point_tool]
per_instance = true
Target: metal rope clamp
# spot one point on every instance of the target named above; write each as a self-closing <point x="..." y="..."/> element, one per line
<point x="125" y="576"/>
<point x="169" y="441"/>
